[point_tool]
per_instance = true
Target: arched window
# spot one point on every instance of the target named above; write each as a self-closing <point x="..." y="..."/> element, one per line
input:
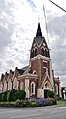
<point x="5" y="85"/>
<point x="21" y="86"/>
<point x="31" y="54"/>
<point x="9" y="84"/>
<point x="35" y="52"/>
<point x="0" y="87"/>
<point x="32" y="88"/>
<point x="42" y="52"/>
<point x="15" y="83"/>
<point x="45" y="52"/>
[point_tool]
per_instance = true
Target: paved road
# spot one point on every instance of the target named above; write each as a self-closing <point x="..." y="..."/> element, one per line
<point x="33" y="113"/>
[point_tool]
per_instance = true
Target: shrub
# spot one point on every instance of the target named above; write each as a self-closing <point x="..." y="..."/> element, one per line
<point x="4" y="96"/>
<point x="22" y="103"/>
<point x="16" y="94"/>
<point x="50" y="94"/>
<point x="20" y="94"/>
<point x="17" y="103"/>
<point x="12" y="95"/>
<point x="27" y="103"/>
<point x="8" y="93"/>
<point x="33" y="103"/>
<point x="0" y="96"/>
<point x="52" y="101"/>
<point x="40" y="102"/>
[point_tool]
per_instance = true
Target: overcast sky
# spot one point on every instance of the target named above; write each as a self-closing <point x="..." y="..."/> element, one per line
<point x="18" y="26"/>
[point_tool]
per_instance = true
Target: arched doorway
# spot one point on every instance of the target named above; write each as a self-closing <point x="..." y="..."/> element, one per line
<point x="47" y="87"/>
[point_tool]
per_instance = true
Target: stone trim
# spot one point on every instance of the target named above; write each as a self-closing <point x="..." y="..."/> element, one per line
<point x="27" y="76"/>
<point x="40" y="56"/>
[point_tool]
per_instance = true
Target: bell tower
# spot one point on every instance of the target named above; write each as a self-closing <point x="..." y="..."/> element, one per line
<point x="40" y="58"/>
<point x="39" y="45"/>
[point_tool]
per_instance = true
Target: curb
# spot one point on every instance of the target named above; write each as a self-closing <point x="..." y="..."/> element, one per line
<point x="54" y="106"/>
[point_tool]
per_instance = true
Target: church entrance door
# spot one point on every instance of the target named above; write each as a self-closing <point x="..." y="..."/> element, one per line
<point x="45" y="93"/>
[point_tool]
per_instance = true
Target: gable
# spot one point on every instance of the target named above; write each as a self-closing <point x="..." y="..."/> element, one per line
<point x="34" y="44"/>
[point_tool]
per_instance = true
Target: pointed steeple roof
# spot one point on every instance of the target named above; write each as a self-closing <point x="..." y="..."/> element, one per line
<point x="39" y="33"/>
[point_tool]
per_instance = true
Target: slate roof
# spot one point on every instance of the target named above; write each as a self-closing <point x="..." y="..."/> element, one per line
<point x="22" y="70"/>
<point x="25" y="68"/>
<point x="39" y="38"/>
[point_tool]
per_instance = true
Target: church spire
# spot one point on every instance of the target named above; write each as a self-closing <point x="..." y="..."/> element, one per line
<point x="39" y="33"/>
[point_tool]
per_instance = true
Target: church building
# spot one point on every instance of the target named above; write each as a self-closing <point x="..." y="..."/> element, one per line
<point x="36" y="78"/>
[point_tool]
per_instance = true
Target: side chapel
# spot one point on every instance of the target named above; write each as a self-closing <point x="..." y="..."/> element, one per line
<point x="36" y="78"/>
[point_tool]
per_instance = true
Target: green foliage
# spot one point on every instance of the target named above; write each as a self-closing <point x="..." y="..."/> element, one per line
<point x="61" y="102"/>
<point x="12" y="95"/>
<point x="16" y="94"/>
<point x="33" y="103"/>
<point x="25" y="103"/>
<point x="4" y="96"/>
<point x="17" y="103"/>
<point x="20" y="94"/>
<point x="53" y="101"/>
<point x="22" y="103"/>
<point x="0" y="97"/>
<point x="28" y="104"/>
<point x="8" y="93"/>
<point x="50" y="94"/>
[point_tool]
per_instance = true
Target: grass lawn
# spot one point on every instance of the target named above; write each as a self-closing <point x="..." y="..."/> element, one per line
<point x="61" y="102"/>
<point x="7" y="102"/>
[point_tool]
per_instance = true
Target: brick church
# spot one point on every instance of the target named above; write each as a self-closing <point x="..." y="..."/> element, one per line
<point x="36" y="78"/>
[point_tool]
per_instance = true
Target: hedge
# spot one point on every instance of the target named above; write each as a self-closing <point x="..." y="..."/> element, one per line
<point x="12" y="95"/>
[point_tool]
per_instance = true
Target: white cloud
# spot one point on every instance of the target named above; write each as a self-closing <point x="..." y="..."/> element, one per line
<point x="18" y="25"/>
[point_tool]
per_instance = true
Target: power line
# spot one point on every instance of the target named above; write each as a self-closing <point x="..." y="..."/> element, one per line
<point x="57" y="6"/>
